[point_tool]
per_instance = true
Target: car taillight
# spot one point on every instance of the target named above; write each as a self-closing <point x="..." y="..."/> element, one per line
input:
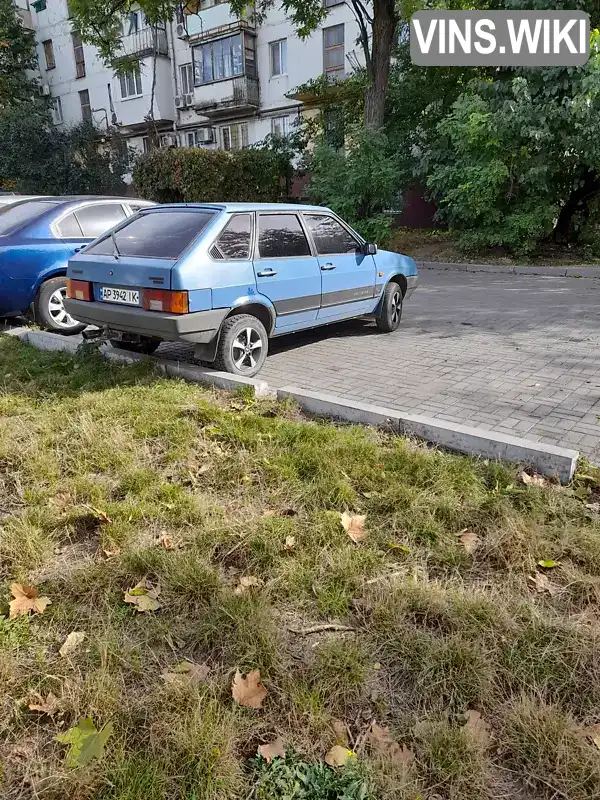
<point x="165" y="300"/>
<point x="79" y="290"/>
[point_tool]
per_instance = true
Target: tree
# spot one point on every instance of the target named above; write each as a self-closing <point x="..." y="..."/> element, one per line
<point x="37" y="158"/>
<point x="99" y="24"/>
<point x="17" y="55"/>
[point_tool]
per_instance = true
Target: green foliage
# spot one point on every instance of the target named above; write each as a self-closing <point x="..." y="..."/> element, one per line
<point x="86" y="742"/>
<point x="14" y="633"/>
<point x="38" y="158"/>
<point x="195" y="175"/>
<point x="293" y="779"/>
<point x="360" y="184"/>
<point x="17" y="54"/>
<point x="518" y="156"/>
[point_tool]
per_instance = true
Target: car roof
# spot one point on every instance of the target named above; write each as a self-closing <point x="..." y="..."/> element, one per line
<point x="246" y="206"/>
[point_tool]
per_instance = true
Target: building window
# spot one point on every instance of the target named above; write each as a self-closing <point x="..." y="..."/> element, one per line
<point x="86" y="108"/>
<point x="234" y="137"/>
<point x="216" y="60"/>
<point x="333" y="52"/>
<point x="79" y="56"/>
<point x="186" y="72"/>
<point x="146" y="144"/>
<point x="333" y="124"/>
<point x="49" y="54"/>
<point x="278" y="55"/>
<point x="330" y="3"/>
<point x="57" y="115"/>
<point x="131" y="84"/>
<point x="135" y="22"/>
<point x="280" y="126"/>
<point x="39" y="5"/>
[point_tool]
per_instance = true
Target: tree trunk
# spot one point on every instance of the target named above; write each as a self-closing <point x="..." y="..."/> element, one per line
<point x="577" y="202"/>
<point x="384" y="29"/>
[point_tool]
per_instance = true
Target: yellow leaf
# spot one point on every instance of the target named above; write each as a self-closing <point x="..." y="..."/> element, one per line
<point x="275" y="749"/>
<point x="338" y="756"/>
<point x="247" y="582"/>
<point x="548" y="563"/>
<point x="290" y="543"/>
<point x="48" y="706"/>
<point x="354" y="526"/>
<point x="469" y="540"/>
<point x="143" y="596"/>
<point x="71" y="643"/>
<point x="26" y="599"/>
<point x="249" y="691"/>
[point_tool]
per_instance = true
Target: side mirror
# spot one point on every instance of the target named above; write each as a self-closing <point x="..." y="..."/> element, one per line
<point x="369" y="249"/>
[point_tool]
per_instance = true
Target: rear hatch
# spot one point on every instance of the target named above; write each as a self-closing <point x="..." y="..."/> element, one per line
<point x="124" y="272"/>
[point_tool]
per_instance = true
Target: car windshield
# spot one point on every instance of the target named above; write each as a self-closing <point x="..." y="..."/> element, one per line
<point x="163" y="234"/>
<point x="15" y="217"/>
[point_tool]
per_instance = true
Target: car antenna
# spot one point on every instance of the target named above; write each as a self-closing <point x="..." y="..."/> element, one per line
<point x="117" y="252"/>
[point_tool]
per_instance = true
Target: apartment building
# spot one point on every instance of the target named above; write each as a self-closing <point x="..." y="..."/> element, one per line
<point x="219" y="81"/>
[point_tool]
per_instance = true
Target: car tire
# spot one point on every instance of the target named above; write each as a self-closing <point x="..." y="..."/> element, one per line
<point x="49" y="311"/>
<point x="147" y="347"/>
<point x="390" y="312"/>
<point x="233" y="354"/>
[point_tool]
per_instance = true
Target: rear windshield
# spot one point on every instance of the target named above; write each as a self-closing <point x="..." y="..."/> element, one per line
<point x="15" y="217"/>
<point x="165" y="234"/>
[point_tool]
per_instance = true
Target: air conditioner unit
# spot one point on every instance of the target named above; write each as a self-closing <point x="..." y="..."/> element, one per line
<point x="179" y="101"/>
<point x="188" y="99"/>
<point x="168" y="140"/>
<point x="180" y="31"/>
<point x="205" y="135"/>
<point x="45" y="89"/>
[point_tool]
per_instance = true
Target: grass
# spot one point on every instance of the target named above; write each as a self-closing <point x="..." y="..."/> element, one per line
<point x="437" y="244"/>
<point x="102" y="465"/>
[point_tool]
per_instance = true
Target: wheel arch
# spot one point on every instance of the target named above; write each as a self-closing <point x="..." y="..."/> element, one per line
<point x="400" y="279"/>
<point x="258" y="310"/>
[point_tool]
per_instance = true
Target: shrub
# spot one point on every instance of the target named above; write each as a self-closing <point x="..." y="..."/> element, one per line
<point x="210" y="176"/>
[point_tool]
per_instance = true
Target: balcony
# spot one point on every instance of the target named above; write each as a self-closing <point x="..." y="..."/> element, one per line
<point x="233" y="97"/>
<point x="146" y="42"/>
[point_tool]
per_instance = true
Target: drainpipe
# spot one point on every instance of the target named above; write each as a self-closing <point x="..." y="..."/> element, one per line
<point x="174" y="81"/>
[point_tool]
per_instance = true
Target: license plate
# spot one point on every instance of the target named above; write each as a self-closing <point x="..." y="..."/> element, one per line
<point x="129" y="297"/>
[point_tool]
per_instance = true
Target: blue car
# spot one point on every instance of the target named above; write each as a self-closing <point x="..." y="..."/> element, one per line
<point x="227" y="277"/>
<point x="37" y="238"/>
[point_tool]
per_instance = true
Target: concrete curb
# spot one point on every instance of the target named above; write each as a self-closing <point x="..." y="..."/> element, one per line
<point x="555" y="272"/>
<point x="545" y="459"/>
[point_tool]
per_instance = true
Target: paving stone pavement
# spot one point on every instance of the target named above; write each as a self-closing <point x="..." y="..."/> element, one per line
<point x="516" y="354"/>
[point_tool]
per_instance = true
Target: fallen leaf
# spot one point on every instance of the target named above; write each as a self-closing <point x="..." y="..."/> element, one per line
<point x="469" y="540"/>
<point x="167" y="542"/>
<point x="382" y="742"/>
<point x="477" y="728"/>
<point x="269" y="513"/>
<point x="71" y="643"/>
<point x="48" y="706"/>
<point x="541" y="584"/>
<point x="290" y="543"/>
<point x="593" y="507"/>
<point x="402" y="548"/>
<point x="86" y="742"/>
<point x="249" y="691"/>
<point x="354" y="526"/>
<point x="102" y="515"/>
<point x="341" y="732"/>
<point x="594" y="734"/>
<point x="338" y="756"/>
<point x="26" y="599"/>
<point x="186" y="672"/>
<point x="112" y="553"/>
<point x="275" y="749"/>
<point x="143" y="596"/>
<point x="532" y="480"/>
<point x="247" y="582"/>
<point x="548" y="563"/>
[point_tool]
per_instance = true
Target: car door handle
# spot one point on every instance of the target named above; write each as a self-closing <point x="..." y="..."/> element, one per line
<point x="77" y="249"/>
<point x="267" y="273"/>
<point x="328" y="266"/>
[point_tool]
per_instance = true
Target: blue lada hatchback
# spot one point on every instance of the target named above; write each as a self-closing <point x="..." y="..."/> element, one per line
<point x="227" y="277"/>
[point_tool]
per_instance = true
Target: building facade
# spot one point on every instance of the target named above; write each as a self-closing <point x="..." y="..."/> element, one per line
<point x="219" y="81"/>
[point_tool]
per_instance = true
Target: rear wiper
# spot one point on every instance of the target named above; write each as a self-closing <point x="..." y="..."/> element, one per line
<point x="117" y="252"/>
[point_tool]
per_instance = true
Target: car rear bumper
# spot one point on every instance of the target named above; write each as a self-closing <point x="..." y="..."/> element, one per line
<point x="412" y="281"/>
<point x="196" y="328"/>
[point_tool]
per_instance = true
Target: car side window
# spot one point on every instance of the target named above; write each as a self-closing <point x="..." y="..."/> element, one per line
<point x="69" y="228"/>
<point x="329" y="236"/>
<point x="281" y="236"/>
<point x="234" y="241"/>
<point x="97" y="219"/>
